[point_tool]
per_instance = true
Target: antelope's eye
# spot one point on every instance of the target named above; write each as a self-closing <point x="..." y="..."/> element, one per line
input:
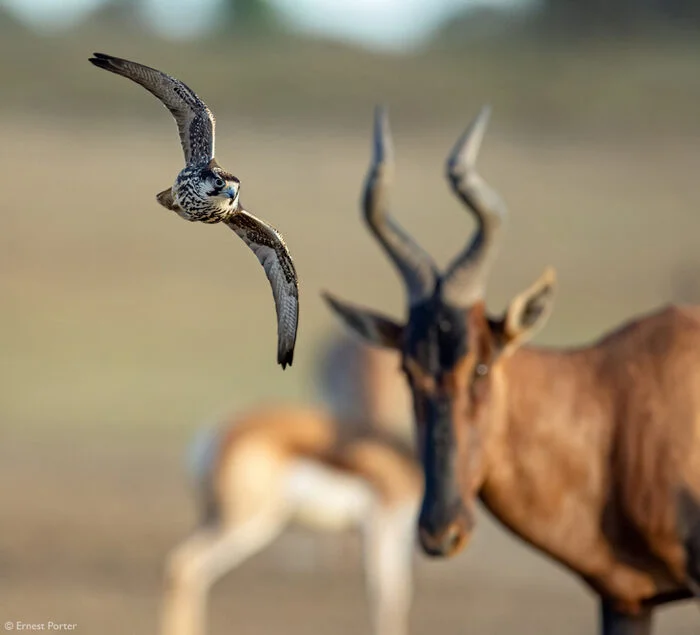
<point x="481" y="370"/>
<point x="218" y="182"/>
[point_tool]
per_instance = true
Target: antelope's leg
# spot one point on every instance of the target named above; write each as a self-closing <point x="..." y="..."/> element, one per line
<point x="693" y="579"/>
<point x="689" y="520"/>
<point x="694" y="586"/>
<point x="615" y="623"/>
<point x="201" y="560"/>
<point x="389" y="539"/>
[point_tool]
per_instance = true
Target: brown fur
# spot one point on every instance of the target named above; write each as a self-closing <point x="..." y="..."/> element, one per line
<point x="393" y="474"/>
<point x="299" y="431"/>
<point x="585" y="451"/>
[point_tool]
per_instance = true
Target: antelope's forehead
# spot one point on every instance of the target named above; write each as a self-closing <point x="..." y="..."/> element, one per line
<point x="437" y="337"/>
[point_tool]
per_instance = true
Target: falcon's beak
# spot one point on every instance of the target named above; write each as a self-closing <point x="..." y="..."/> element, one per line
<point x="230" y="192"/>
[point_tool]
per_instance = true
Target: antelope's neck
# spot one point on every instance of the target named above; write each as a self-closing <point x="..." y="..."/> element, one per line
<point x="546" y="458"/>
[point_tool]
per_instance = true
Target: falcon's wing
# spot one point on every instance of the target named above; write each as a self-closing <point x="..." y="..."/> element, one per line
<point x="194" y="119"/>
<point x="268" y="245"/>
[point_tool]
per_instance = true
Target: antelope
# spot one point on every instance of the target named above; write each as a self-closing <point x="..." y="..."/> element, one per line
<point x="591" y="454"/>
<point x="363" y="384"/>
<point x="275" y="465"/>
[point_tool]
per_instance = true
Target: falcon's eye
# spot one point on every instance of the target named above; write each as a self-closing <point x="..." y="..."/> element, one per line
<point x="219" y="183"/>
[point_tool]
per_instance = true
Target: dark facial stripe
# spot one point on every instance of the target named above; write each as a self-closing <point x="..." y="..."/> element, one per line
<point x="437" y="336"/>
<point x="439" y="458"/>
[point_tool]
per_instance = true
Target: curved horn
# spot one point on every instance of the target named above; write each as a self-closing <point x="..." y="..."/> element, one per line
<point x="465" y="279"/>
<point x="415" y="265"/>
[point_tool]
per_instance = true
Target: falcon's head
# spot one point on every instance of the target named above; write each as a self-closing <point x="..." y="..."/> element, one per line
<point x="206" y="194"/>
<point x="221" y="187"/>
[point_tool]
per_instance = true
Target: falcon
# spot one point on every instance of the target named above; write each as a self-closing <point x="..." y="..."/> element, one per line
<point x="203" y="191"/>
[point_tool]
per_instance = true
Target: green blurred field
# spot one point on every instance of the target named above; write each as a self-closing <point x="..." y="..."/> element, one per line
<point x="125" y="327"/>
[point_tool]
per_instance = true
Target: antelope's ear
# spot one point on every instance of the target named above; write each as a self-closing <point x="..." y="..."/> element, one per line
<point x="529" y="311"/>
<point x="375" y="329"/>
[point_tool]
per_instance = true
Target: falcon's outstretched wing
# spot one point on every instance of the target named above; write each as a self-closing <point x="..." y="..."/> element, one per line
<point x="268" y="245"/>
<point x="194" y="119"/>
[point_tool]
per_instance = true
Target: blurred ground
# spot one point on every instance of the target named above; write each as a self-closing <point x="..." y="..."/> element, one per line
<point x="124" y="327"/>
<point x="85" y="532"/>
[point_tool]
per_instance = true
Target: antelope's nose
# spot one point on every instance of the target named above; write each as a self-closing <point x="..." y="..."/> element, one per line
<point x="445" y="539"/>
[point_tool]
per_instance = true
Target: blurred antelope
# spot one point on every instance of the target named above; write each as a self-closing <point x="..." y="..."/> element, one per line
<point x="361" y="383"/>
<point x="591" y="455"/>
<point x="277" y="465"/>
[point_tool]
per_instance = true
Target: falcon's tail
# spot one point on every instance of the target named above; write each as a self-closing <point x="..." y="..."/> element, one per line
<point x="165" y="198"/>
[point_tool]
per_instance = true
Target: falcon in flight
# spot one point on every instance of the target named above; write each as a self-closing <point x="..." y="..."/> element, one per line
<point x="203" y="191"/>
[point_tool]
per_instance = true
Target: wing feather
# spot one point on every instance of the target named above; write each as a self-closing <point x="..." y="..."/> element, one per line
<point x="268" y="246"/>
<point x="195" y="122"/>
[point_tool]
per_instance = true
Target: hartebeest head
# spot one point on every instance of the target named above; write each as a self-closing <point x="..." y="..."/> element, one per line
<point x="450" y="347"/>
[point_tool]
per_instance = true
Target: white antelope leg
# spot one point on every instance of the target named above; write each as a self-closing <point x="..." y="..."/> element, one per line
<point x="389" y="542"/>
<point x="250" y="513"/>
<point x="201" y="560"/>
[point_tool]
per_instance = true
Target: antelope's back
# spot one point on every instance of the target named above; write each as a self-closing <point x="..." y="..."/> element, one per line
<point x="289" y="429"/>
<point x="301" y="434"/>
<point x="243" y="457"/>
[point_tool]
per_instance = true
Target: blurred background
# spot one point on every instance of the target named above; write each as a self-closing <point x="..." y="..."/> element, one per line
<point x="125" y="327"/>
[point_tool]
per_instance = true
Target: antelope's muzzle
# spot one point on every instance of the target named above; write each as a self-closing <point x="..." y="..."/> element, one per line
<point x="445" y="524"/>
